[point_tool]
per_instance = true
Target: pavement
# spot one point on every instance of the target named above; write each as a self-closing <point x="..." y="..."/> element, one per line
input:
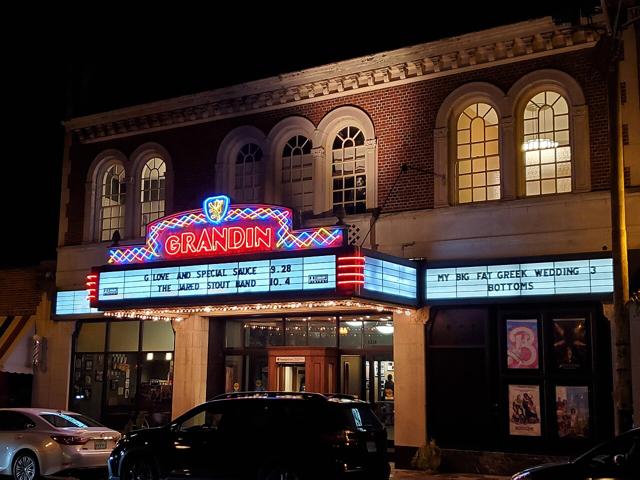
<point x="395" y="475"/>
<point x="415" y="475"/>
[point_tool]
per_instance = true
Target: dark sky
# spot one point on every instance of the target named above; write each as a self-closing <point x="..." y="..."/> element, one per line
<point x="91" y="68"/>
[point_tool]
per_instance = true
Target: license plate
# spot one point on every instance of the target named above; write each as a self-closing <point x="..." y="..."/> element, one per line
<point x="100" y="444"/>
<point x="371" y="446"/>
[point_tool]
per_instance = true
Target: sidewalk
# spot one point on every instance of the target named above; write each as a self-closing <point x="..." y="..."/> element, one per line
<point x="415" y="475"/>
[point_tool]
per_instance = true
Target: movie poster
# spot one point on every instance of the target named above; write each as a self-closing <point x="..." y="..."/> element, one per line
<point x="524" y="410"/>
<point x="572" y="411"/>
<point x="570" y="343"/>
<point x="522" y="343"/>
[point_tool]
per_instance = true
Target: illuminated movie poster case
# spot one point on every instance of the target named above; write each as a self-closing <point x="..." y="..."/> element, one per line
<point x="524" y="412"/>
<point x="522" y="344"/>
<point x="572" y="411"/>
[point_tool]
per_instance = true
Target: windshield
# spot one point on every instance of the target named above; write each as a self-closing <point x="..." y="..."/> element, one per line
<point x="72" y="420"/>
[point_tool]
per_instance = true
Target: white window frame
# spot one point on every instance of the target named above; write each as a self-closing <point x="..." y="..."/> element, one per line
<point x="225" y="169"/>
<point x="92" y="230"/>
<point x="140" y="157"/>
<point x="276" y="140"/>
<point x="328" y="128"/>
<point x="554" y="80"/>
<point x="471" y="159"/>
<point x="445" y="140"/>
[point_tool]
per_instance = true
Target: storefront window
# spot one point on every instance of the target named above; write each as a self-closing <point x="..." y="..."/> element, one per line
<point x="296" y="332"/>
<point x="91" y="337"/>
<point x="88" y="382"/>
<point x="265" y="333"/>
<point x="117" y="382"/>
<point x="378" y="334"/>
<point x="121" y="377"/>
<point x="233" y="334"/>
<point x="233" y="373"/>
<point x="124" y="336"/>
<point x="157" y="337"/>
<point x="350" y="332"/>
<point x="322" y="332"/>
<point x="156" y="386"/>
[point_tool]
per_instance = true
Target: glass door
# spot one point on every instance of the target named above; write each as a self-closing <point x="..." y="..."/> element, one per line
<point x="291" y="377"/>
<point x="351" y="375"/>
<point x="381" y="391"/>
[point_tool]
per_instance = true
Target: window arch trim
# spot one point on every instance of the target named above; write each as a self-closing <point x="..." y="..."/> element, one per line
<point x="328" y="128"/>
<point x="445" y="134"/>
<point x="140" y="157"/>
<point x="93" y="192"/>
<point x="278" y="137"/>
<point x="227" y="155"/>
<point x="524" y="89"/>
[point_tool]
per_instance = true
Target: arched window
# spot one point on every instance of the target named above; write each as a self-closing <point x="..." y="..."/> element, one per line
<point x="477" y="167"/>
<point x="152" y="192"/>
<point x="546" y="149"/>
<point x="248" y="183"/>
<point x="297" y="174"/>
<point x="349" y="170"/>
<point x="112" y="202"/>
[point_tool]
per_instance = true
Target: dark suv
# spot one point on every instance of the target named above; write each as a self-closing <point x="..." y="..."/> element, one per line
<point x="259" y="435"/>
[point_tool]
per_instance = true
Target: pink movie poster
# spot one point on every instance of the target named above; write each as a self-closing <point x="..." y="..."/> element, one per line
<point x="522" y="343"/>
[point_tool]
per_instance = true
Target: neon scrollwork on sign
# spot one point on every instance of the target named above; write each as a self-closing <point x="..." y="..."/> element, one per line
<point x="222" y="229"/>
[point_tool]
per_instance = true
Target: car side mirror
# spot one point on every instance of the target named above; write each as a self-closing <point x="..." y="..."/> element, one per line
<point x="29" y="425"/>
<point x="619" y="460"/>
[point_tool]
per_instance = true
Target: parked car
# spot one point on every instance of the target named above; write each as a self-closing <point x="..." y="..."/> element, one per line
<point x="259" y="435"/>
<point x="40" y="441"/>
<point x="617" y="459"/>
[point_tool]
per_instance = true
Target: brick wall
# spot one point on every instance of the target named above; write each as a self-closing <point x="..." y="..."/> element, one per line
<point x="403" y="117"/>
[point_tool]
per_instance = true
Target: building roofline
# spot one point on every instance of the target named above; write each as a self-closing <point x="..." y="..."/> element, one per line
<point x="481" y="49"/>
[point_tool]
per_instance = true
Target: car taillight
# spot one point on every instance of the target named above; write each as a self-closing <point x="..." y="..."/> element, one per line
<point x="69" y="439"/>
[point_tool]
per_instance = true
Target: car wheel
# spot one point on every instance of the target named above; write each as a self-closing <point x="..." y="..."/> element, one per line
<point x="281" y="473"/>
<point x="25" y="467"/>
<point x="138" y="468"/>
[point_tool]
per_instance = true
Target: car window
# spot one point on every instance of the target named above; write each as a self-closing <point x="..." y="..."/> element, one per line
<point x="357" y="415"/>
<point x="206" y="419"/>
<point x="89" y="422"/>
<point x="11" y="421"/>
<point x="603" y="456"/>
<point x="62" y="420"/>
<point x="250" y="415"/>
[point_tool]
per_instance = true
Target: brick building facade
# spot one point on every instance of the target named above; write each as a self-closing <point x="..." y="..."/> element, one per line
<point x="416" y="200"/>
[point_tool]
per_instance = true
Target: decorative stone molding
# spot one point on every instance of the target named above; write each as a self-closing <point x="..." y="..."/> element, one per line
<point x="471" y="51"/>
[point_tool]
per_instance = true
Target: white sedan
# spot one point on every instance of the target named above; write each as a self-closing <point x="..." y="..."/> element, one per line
<point x="40" y="441"/>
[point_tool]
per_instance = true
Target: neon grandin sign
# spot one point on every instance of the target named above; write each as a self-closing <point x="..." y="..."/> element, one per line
<point x="222" y="229"/>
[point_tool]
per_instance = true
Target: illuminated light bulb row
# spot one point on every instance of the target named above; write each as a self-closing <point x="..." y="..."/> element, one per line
<point x="178" y="313"/>
<point x="141" y="316"/>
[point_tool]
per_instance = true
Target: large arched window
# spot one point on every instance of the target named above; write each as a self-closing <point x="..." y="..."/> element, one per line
<point x="113" y="191"/>
<point x="152" y="192"/>
<point x="249" y="168"/>
<point x="349" y="171"/>
<point x="477" y="167"/>
<point x="297" y="174"/>
<point x="546" y="148"/>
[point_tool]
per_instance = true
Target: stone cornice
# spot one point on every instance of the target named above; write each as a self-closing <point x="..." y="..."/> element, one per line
<point x="492" y="47"/>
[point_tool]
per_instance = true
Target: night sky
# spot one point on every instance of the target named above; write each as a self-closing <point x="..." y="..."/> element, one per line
<point x="76" y="71"/>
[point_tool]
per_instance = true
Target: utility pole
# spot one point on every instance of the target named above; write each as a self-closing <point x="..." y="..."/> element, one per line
<point x="622" y="388"/>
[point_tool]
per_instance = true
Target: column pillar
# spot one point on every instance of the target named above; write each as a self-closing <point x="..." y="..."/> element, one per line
<point x="410" y="384"/>
<point x="190" y="364"/>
